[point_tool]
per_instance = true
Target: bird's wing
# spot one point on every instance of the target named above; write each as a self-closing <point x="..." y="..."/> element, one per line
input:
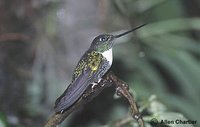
<point x="91" y="73"/>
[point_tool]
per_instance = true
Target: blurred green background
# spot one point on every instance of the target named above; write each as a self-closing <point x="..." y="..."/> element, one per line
<point x="42" y="40"/>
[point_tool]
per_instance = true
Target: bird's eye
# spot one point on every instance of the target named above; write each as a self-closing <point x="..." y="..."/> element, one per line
<point x="103" y="39"/>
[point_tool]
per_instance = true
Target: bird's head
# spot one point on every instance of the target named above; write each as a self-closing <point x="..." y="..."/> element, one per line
<point x="104" y="42"/>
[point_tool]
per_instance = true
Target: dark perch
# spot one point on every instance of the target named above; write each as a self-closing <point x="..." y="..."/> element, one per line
<point x="109" y="79"/>
<point x="14" y="37"/>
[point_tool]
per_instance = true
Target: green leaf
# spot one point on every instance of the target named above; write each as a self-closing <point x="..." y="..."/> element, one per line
<point x="152" y="75"/>
<point x="187" y="107"/>
<point x="174" y="67"/>
<point x="3" y="120"/>
<point x="167" y="26"/>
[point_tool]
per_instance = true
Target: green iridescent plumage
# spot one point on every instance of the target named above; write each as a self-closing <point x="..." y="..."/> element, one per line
<point x="91" y="67"/>
<point x="90" y="60"/>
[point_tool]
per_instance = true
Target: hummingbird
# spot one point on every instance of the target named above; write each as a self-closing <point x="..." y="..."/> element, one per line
<point x="92" y="66"/>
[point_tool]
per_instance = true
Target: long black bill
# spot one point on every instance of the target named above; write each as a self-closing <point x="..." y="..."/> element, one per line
<point x="122" y="34"/>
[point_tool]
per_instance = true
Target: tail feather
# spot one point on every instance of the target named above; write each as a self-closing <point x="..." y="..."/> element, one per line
<point x="73" y="92"/>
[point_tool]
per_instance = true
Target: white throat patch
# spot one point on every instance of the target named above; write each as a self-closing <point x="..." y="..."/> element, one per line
<point x="108" y="55"/>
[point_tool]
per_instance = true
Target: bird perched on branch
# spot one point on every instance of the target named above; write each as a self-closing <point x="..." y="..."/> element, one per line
<point x="96" y="61"/>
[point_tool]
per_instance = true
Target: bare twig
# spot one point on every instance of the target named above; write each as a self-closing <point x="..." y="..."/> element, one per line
<point x="13" y="37"/>
<point x="108" y="80"/>
<point x="122" y="89"/>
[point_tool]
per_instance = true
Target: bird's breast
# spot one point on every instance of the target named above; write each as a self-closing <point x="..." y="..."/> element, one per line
<point x="108" y="55"/>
